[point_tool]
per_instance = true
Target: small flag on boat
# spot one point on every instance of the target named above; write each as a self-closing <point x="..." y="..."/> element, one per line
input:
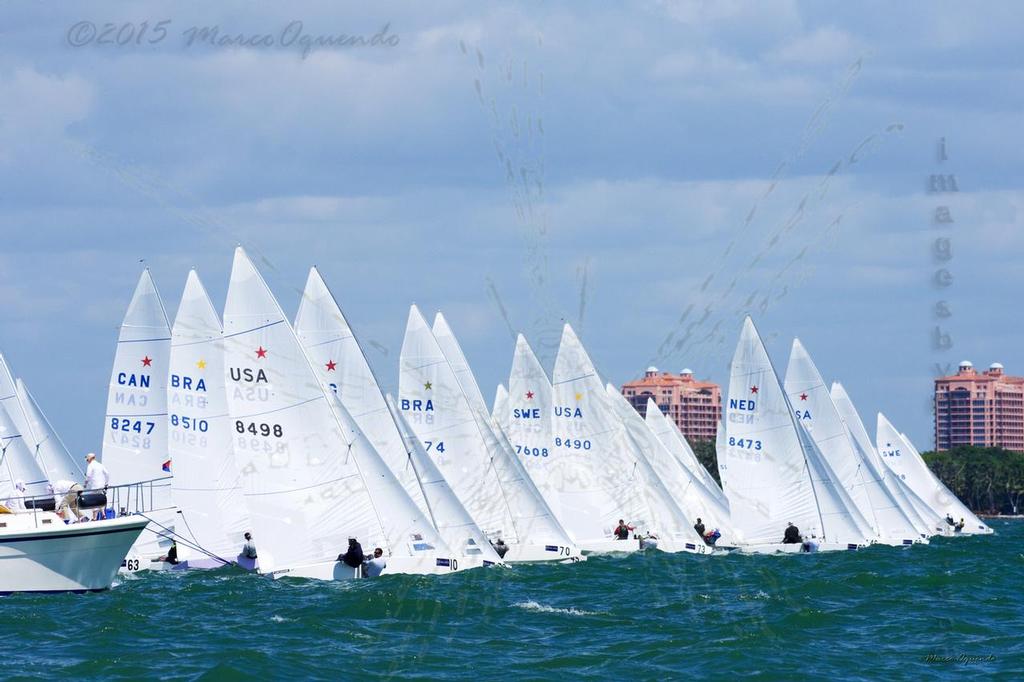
<point x="167" y="466"/>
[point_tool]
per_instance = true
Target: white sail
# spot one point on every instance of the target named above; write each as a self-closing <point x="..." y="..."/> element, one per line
<point x="696" y="495"/>
<point x="58" y="464"/>
<point x="466" y="450"/>
<point x="925" y="521"/>
<point x="763" y="468"/>
<point x="500" y="411"/>
<point x="460" y="366"/>
<point x="341" y="366"/>
<point x="135" y="429"/>
<point x="528" y="414"/>
<point x="306" y="469"/>
<point x="206" y="484"/>
<point x="596" y="479"/>
<point x="343" y="369"/>
<point x="814" y="408"/>
<point x="669" y="487"/>
<point x="774" y="473"/>
<point x="906" y="462"/>
<point x="17" y="465"/>
<point x="453" y="522"/>
<point x="672" y="438"/>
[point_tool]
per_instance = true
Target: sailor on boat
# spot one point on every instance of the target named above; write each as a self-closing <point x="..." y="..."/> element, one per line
<point x="16" y="502"/>
<point x="65" y="496"/>
<point x="622" y="531"/>
<point x="500" y="547"/>
<point x="96" y="477"/>
<point x="249" y="548"/>
<point x="792" y="535"/>
<point x="699" y="527"/>
<point x="959" y="526"/>
<point x="353" y="556"/>
<point x="375" y="566"/>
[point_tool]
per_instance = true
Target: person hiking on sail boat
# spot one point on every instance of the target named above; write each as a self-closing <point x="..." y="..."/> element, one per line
<point x="699" y="527"/>
<point x="249" y="548"/>
<point x="353" y="556"/>
<point x="500" y="547"/>
<point x="959" y="526"/>
<point x="376" y="565"/>
<point x="622" y="531"/>
<point x="792" y="535"/>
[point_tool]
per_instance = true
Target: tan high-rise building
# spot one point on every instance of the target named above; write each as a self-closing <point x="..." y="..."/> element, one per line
<point x="984" y="409"/>
<point x="695" y="406"/>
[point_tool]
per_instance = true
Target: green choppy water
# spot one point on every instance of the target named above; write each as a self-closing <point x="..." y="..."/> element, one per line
<point x="950" y="609"/>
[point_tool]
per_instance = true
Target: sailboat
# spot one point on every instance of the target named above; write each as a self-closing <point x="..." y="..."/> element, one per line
<point x="459" y="436"/>
<point x="311" y="478"/>
<point x="700" y="497"/>
<point x="212" y="516"/>
<point x="813" y="407"/>
<point x="667" y="483"/>
<point x="902" y="457"/>
<point x="926" y="522"/>
<point x="135" y="427"/>
<point x="343" y="369"/>
<point x="596" y="471"/>
<point x="772" y="471"/>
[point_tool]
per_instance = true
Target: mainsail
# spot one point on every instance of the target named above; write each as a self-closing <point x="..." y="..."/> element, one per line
<point x="206" y="483"/>
<point x="465" y="448"/>
<point x="500" y="413"/>
<point x="591" y="466"/>
<point x="672" y="438"/>
<point x="342" y="367"/>
<point x="135" y="430"/>
<point x="17" y="465"/>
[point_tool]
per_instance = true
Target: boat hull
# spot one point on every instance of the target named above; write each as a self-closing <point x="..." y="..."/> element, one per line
<point x="335" y="570"/>
<point x="55" y="557"/>
<point x="529" y="553"/>
<point x="797" y="548"/>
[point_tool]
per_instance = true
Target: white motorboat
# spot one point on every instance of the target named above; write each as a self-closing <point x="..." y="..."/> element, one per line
<point x="40" y="553"/>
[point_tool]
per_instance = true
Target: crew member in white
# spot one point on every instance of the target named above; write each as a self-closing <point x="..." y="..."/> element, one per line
<point x="96" y="478"/>
<point x="65" y="494"/>
<point x="377" y="564"/>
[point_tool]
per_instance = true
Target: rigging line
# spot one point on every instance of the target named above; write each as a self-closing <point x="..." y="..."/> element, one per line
<point x="176" y="537"/>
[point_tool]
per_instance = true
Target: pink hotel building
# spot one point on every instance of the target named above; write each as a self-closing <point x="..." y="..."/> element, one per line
<point x="695" y="406"/>
<point x="984" y="409"/>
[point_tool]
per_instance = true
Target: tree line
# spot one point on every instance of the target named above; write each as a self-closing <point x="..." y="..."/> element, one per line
<point x="988" y="480"/>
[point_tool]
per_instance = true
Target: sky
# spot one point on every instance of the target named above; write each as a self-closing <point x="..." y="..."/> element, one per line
<point x="649" y="172"/>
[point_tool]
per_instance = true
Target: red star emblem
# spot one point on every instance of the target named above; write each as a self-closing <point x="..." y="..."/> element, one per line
<point x="261" y="352"/>
<point x="147" y="361"/>
<point x="803" y="396"/>
<point x="331" y="364"/>
<point x="753" y="389"/>
<point x="529" y="395"/>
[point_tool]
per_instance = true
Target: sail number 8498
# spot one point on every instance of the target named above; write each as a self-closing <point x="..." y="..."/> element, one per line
<point x="256" y="429"/>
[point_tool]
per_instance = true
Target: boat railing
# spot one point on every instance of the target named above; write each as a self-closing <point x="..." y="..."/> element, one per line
<point x="140" y="497"/>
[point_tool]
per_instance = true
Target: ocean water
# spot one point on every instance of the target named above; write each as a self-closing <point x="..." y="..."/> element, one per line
<point x="947" y="610"/>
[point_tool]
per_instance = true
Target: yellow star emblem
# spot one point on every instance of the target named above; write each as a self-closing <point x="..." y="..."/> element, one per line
<point x="201" y="364"/>
<point x="428" y="386"/>
<point x="579" y="396"/>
